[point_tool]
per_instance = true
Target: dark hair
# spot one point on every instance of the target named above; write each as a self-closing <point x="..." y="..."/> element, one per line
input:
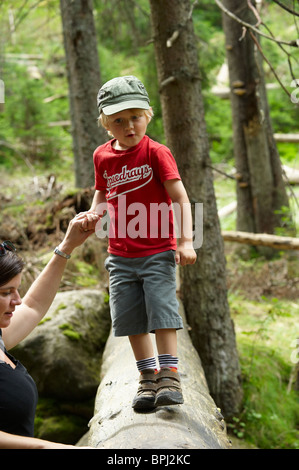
<point x="10" y="265"/>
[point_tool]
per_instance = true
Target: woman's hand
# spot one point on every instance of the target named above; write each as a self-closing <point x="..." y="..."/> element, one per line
<point x="79" y="229"/>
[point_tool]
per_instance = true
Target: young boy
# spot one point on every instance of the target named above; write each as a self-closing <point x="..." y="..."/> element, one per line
<point x="135" y="175"/>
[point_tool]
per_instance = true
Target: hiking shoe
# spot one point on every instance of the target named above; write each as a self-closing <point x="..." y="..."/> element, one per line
<point x="146" y="393"/>
<point x="169" y="390"/>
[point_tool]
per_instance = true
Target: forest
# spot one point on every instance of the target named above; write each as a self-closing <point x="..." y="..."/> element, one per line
<point x="231" y="121"/>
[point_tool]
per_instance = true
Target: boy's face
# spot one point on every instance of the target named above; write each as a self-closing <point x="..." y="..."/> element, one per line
<point x="128" y="127"/>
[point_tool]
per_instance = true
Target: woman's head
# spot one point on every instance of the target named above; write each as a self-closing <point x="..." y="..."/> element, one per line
<point x="11" y="266"/>
<point x="10" y="263"/>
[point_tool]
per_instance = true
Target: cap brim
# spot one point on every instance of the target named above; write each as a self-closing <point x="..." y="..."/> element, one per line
<point x="132" y="104"/>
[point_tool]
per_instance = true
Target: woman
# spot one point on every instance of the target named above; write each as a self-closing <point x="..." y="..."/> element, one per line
<point x="18" y="393"/>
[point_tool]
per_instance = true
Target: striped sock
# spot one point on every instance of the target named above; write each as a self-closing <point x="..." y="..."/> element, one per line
<point x="149" y="363"/>
<point x="167" y="360"/>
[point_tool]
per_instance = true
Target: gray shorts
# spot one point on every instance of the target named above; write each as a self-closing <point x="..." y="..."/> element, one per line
<point x="143" y="293"/>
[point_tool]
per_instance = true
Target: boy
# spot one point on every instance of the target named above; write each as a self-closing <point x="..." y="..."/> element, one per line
<point x="134" y="174"/>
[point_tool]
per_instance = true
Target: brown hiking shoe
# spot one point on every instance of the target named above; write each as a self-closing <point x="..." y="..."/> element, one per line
<point x="169" y="390"/>
<point x="146" y="393"/>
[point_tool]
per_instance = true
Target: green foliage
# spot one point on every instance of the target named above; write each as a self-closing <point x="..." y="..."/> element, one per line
<point x="219" y="127"/>
<point x="122" y="26"/>
<point x="25" y="122"/>
<point x="208" y="29"/>
<point x="287" y="222"/>
<point x="284" y="113"/>
<point x="270" y="414"/>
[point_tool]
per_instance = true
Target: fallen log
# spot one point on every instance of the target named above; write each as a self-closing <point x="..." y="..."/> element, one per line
<point x="197" y="424"/>
<point x="294" y="138"/>
<point x="262" y="239"/>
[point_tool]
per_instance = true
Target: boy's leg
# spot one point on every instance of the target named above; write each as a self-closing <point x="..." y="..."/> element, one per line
<point x="142" y="346"/>
<point x="168" y="380"/>
<point x="166" y="340"/>
<point x="146" y="364"/>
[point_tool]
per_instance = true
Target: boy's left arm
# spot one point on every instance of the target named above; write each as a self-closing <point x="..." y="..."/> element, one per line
<point x="185" y="253"/>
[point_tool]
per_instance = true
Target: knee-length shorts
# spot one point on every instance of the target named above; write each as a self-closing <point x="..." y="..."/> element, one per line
<point x="143" y="293"/>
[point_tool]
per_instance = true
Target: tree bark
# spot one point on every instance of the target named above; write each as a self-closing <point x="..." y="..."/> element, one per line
<point x="83" y="73"/>
<point x="203" y="285"/>
<point x="197" y="424"/>
<point x="261" y="193"/>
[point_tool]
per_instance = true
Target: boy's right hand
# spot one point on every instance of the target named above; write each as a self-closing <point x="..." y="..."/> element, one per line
<point x="185" y="254"/>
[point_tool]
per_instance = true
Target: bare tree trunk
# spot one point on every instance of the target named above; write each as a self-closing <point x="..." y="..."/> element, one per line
<point x="84" y="82"/>
<point x="203" y="285"/>
<point x="261" y="191"/>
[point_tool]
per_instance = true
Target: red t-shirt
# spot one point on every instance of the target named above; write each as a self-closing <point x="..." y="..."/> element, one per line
<point x="141" y="217"/>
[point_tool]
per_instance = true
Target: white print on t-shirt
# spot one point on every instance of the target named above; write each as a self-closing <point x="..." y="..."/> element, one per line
<point x="143" y="173"/>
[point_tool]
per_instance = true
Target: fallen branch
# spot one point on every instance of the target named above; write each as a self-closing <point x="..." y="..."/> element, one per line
<point x="262" y="239"/>
<point x="60" y="124"/>
<point x="227" y="210"/>
<point x="294" y="138"/>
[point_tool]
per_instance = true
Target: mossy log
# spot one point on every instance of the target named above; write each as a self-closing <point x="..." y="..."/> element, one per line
<point x="197" y="424"/>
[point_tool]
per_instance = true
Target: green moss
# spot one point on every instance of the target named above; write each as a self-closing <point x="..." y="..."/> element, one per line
<point x="60" y="307"/>
<point x="44" y="320"/>
<point x="69" y="332"/>
<point x="66" y="429"/>
<point x="72" y="335"/>
<point x="79" y="306"/>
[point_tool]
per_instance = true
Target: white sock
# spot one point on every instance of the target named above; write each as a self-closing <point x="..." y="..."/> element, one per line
<point x="167" y="360"/>
<point x="149" y="363"/>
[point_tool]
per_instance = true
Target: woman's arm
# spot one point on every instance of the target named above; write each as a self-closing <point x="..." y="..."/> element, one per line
<point x="42" y="292"/>
<point x="12" y="441"/>
<point x="185" y="253"/>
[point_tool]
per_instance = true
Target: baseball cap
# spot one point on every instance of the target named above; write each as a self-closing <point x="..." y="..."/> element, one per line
<point x="122" y="93"/>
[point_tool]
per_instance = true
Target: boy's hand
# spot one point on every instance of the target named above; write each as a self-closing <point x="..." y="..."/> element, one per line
<point x="185" y="254"/>
<point x="89" y="220"/>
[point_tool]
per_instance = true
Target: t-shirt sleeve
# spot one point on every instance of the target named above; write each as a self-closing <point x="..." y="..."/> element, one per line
<point x="100" y="182"/>
<point x="165" y="165"/>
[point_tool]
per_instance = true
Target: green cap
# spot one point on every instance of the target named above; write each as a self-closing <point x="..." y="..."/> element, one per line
<point x="122" y="93"/>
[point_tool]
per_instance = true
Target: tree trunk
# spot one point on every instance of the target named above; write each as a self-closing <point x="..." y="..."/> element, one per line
<point x="84" y="82"/>
<point x="261" y="193"/>
<point x="203" y="285"/>
<point x="197" y="424"/>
